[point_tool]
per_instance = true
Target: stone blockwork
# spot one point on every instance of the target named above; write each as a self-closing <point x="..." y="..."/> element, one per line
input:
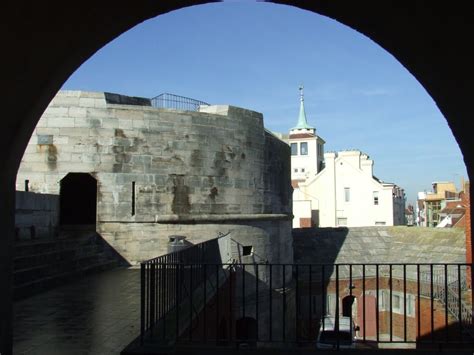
<point x="161" y="172"/>
<point x="36" y="215"/>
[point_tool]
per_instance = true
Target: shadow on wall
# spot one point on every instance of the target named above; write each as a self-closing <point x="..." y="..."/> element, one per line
<point x="453" y="336"/>
<point x="315" y="262"/>
<point x="325" y="251"/>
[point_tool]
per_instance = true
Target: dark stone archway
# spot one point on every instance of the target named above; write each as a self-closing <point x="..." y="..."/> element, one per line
<point x="78" y="199"/>
<point x="43" y="44"/>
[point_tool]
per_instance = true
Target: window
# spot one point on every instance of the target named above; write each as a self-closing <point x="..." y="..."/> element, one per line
<point x="295" y="170"/>
<point x="302" y="170"/>
<point x="246" y="250"/>
<point x="330" y="304"/>
<point x="304" y="148"/>
<point x="347" y="194"/>
<point x="342" y="221"/>
<point x="294" y="148"/>
<point x="411" y="305"/>
<point x="398" y="302"/>
<point x="380" y="223"/>
<point x="376" y="197"/>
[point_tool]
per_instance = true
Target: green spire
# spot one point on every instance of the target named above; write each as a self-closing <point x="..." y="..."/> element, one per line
<point x="302" y="122"/>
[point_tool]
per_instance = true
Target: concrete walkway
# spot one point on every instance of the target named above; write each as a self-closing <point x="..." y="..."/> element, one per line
<point x="99" y="314"/>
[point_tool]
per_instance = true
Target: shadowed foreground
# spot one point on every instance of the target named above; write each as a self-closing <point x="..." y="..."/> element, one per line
<point x="95" y="315"/>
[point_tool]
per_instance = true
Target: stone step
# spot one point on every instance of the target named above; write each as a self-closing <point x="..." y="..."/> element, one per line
<point x="53" y="256"/>
<point x="46" y="283"/>
<point x="40" y="265"/>
<point x="26" y="248"/>
<point x="50" y="269"/>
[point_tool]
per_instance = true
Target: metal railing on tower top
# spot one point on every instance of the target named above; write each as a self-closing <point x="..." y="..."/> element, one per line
<point x="176" y="102"/>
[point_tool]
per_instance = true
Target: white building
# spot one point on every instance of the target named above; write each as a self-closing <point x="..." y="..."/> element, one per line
<point x="345" y="193"/>
<point x="337" y="189"/>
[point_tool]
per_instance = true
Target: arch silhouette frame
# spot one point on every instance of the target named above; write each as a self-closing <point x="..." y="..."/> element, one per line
<point x="43" y="46"/>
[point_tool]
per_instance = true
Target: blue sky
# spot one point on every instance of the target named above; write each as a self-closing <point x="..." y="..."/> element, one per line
<point x="255" y="55"/>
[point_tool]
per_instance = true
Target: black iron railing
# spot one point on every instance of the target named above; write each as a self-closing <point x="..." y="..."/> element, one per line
<point x="176" y="102"/>
<point x="188" y="300"/>
<point x="166" y="281"/>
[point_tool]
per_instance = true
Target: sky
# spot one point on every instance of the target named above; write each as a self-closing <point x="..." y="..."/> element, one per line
<point x="255" y="55"/>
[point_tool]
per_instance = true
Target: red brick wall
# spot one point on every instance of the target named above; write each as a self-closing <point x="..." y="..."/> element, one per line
<point x="305" y="223"/>
<point x="398" y="320"/>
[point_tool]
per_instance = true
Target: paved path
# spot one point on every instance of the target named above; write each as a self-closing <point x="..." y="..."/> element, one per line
<point x="99" y="314"/>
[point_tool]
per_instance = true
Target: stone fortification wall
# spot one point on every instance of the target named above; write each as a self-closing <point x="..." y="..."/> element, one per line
<point x="162" y="172"/>
<point x="36" y="215"/>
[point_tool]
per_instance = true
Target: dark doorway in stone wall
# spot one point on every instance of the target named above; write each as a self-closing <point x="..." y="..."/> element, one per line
<point x="78" y="199"/>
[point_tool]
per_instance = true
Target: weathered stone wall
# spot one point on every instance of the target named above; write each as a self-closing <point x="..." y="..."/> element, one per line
<point x="36" y="215"/>
<point x="193" y="173"/>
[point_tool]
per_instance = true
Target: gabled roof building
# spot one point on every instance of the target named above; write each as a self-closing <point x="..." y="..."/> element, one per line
<point x="337" y="188"/>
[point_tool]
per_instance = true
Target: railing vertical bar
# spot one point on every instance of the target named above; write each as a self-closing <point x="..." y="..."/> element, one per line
<point x="297" y="301"/>
<point x="310" y="299"/>
<point x="152" y="294"/>
<point x="284" y="302"/>
<point x="432" y="303"/>
<point x="231" y="314"/>
<point x="336" y="315"/>
<point x="164" y="289"/>
<point x="446" y="302"/>
<point x="205" y="308"/>
<point x="405" y="303"/>
<point x="256" y="298"/>
<point x="377" y="301"/>
<point x="176" y="301"/>
<point x="350" y="294"/>
<point x="471" y="273"/>
<point x="157" y="291"/>
<point x="216" y="330"/>
<point x="363" y="301"/>
<point x="142" y="302"/>
<point x="243" y="290"/>
<point x="190" y="302"/>
<point x="460" y="303"/>
<point x="270" y="303"/>
<point x="418" y="301"/>
<point x="323" y="294"/>
<point x="390" y="280"/>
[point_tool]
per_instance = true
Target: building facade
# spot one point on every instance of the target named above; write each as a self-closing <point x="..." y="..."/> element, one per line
<point x="337" y="189"/>
<point x="431" y="204"/>
<point x="345" y="193"/>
